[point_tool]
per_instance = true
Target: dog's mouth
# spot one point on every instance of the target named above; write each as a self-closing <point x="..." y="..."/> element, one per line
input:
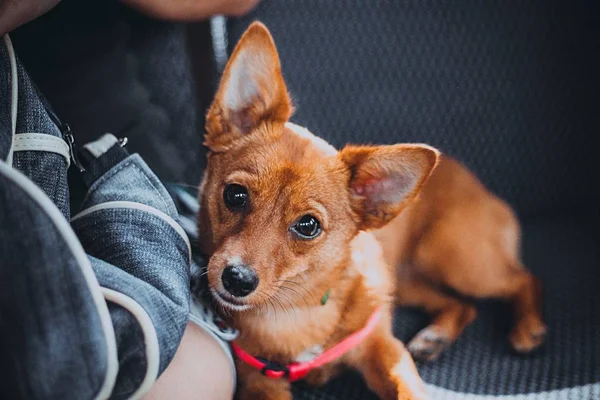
<point x="229" y="302"/>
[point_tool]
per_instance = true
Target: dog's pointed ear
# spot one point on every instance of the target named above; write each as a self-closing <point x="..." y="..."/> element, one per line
<point x="384" y="179"/>
<point x="252" y="90"/>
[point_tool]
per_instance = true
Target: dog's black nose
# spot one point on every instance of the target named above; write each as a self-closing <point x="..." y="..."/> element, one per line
<point x="239" y="280"/>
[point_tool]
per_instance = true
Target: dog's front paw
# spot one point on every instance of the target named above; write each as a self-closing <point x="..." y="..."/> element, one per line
<point x="528" y="335"/>
<point x="408" y="383"/>
<point x="252" y="385"/>
<point x="428" y="344"/>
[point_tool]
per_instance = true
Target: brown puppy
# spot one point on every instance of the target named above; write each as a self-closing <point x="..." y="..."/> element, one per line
<point x="286" y="221"/>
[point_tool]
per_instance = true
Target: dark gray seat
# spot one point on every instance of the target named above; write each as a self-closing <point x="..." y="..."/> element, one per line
<point x="511" y="88"/>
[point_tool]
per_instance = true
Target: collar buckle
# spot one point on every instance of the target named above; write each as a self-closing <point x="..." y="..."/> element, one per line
<point x="271" y="366"/>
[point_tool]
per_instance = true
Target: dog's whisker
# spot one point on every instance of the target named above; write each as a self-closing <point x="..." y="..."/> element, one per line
<point x="217" y="306"/>
<point x="295" y="291"/>
<point x="269" y="301"/>
<point x="278" y="301"/>
<point x="273" y="306"/>
<point x="290" y="303"/>
<point x="304" y="290"/>
<point x="297" y="294"/>
<point x="200" y="275"/>
<point x="292" y="308"/>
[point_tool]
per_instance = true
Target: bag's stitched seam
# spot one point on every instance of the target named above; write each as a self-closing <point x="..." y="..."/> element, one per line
<point x="40" y="146"/>
<point x="38" y="136"/>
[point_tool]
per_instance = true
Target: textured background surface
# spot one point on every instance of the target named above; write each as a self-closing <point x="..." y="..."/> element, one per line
<point x="509" y="87"/>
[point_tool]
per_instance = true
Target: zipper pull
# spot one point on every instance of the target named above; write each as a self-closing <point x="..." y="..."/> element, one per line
<point x="70" y="139"/>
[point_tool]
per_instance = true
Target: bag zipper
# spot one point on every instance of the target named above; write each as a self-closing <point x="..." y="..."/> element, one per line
<point x="67" y="135"/>
<point x="64" y="128"/>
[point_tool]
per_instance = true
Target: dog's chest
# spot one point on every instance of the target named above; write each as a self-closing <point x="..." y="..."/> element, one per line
<point x="296" y="335"/>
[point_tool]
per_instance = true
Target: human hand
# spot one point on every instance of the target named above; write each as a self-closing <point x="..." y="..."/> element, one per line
<point x="14" y="13"/>
<point x="191" y="10"/>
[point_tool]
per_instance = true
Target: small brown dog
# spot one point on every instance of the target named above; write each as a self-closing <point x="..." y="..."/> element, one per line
<point x="308" y="245"/>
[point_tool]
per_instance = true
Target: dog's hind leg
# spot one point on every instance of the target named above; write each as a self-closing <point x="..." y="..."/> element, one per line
<point x="524" y="291"/>
<point x="450" y="317"/>
<point x="508" y="281"/>
<point x="481" y="265"/>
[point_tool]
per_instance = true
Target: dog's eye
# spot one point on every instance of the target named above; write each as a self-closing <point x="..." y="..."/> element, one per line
<point x="307" y="227"/>
<point x="235" y="196"/>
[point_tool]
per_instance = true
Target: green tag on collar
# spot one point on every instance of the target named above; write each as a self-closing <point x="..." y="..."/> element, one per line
<point x="325" y="297"/>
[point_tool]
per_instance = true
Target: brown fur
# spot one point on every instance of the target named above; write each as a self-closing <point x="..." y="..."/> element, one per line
<point x="351" y="192"/>
<point x="459" y="235"/>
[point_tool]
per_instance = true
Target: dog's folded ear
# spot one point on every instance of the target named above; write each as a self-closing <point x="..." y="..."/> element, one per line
<point x="251" y="91"/>
<point x="384" y="179"/>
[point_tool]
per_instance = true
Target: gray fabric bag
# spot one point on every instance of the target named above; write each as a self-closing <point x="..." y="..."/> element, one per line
<point x="93" y="306"/>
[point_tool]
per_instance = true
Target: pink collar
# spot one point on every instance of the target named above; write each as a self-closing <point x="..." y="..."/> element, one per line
<point x="295" y="371"/>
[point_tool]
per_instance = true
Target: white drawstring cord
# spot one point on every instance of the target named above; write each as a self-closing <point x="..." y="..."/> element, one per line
<point x="218" y="31"/>
<point x="14" y="83"/>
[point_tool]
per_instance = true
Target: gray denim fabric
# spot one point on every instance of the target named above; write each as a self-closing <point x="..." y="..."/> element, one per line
<point x="52" y="344"/>
<point x="5" y="100"/>
<point x="131" y="180"/>
<point x="32" y="117"/>
<point x="140" y="244"/>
